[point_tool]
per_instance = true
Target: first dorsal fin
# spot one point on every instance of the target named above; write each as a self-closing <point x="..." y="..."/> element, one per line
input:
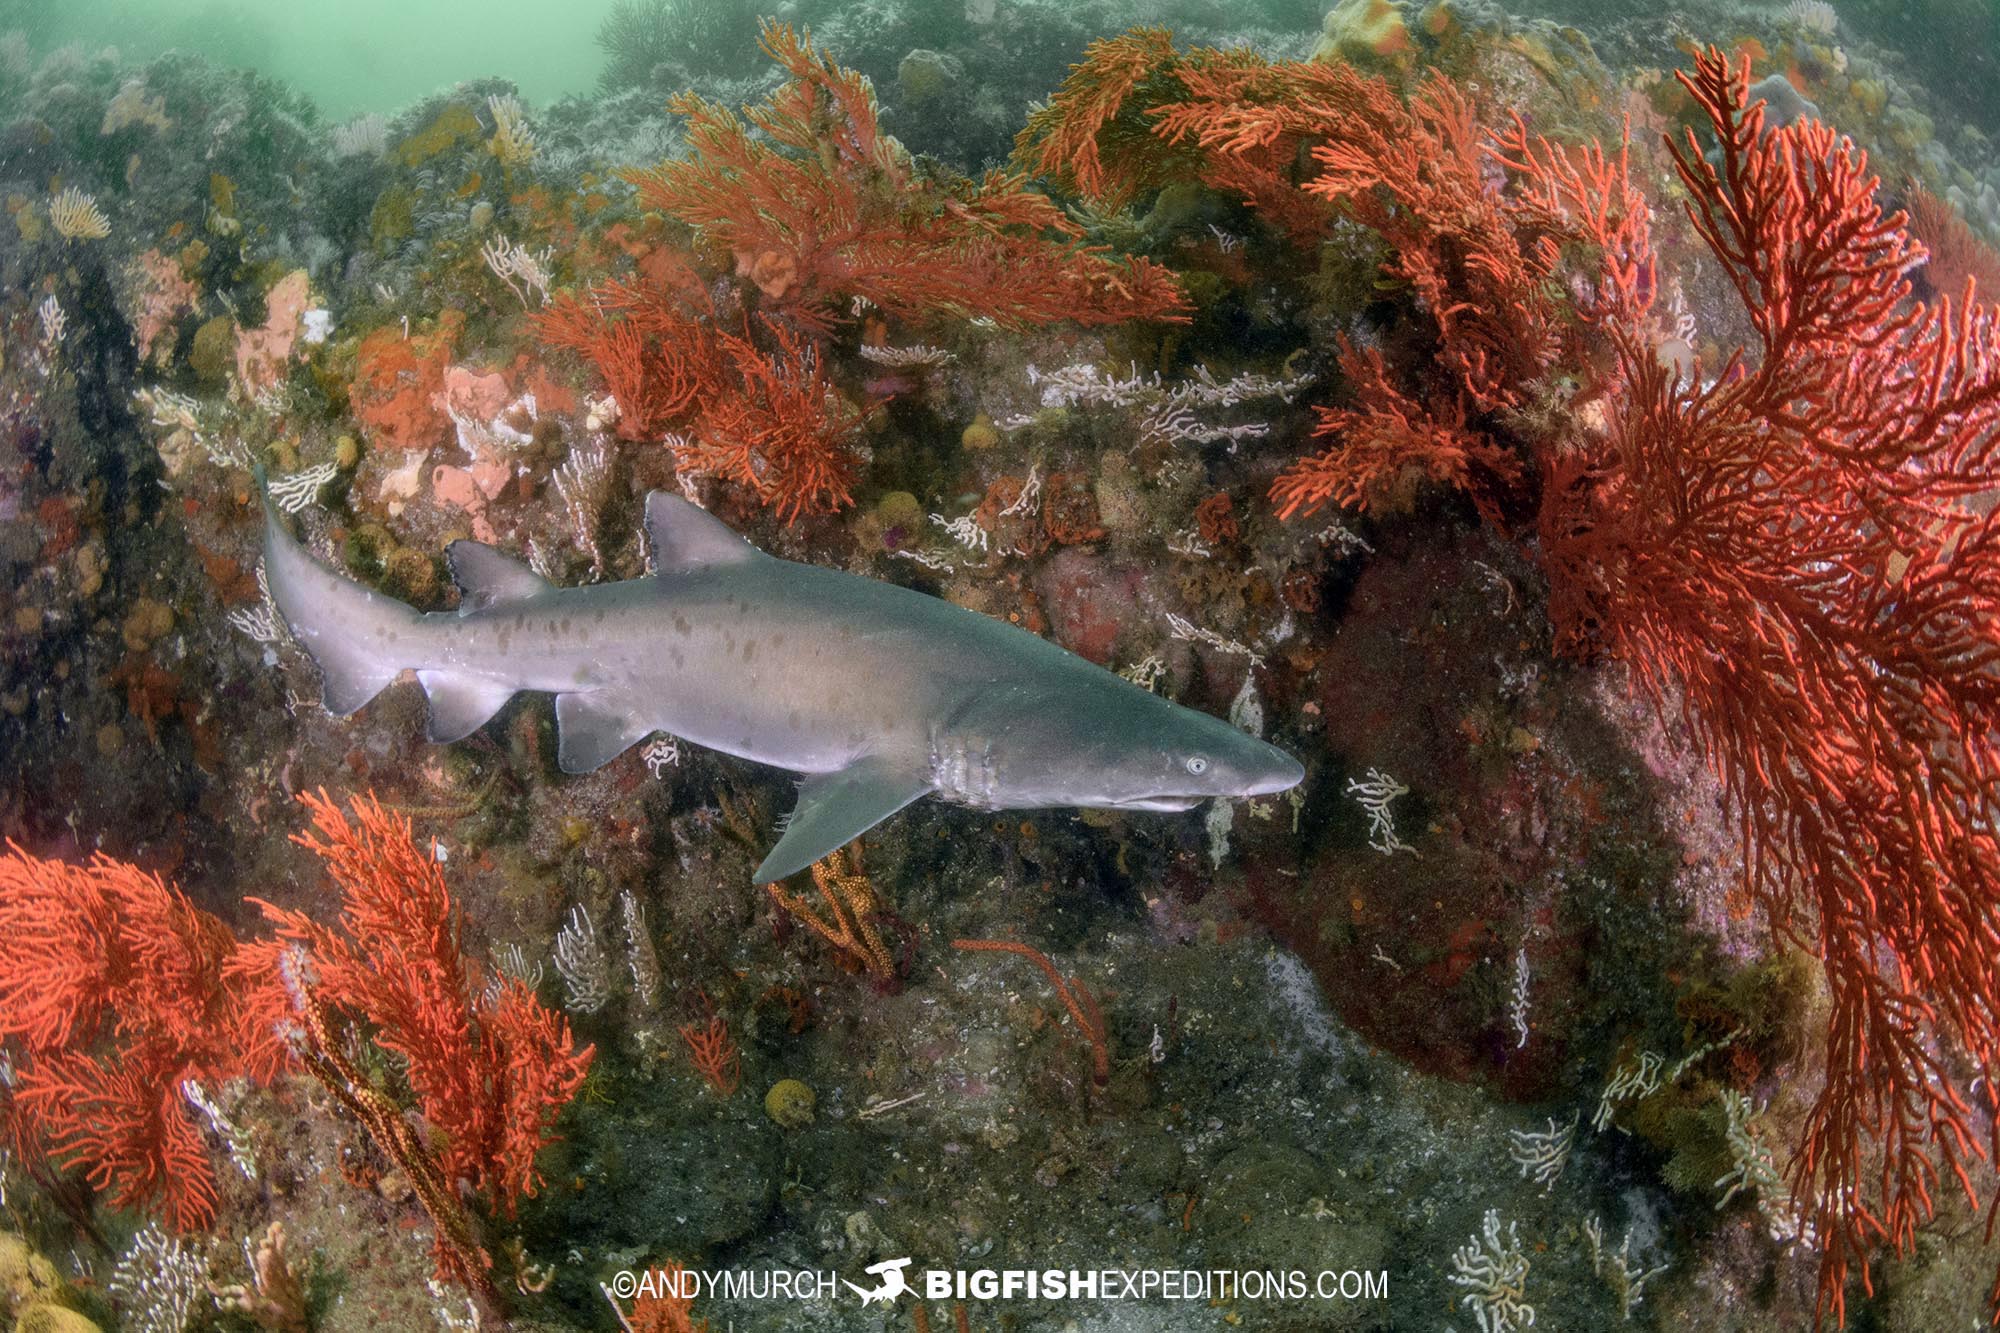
<point x="686" y="536"/>
<point x="486" y="577"/>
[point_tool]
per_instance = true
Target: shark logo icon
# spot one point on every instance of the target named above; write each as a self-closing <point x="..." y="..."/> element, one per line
<point x="892" y="1286"/>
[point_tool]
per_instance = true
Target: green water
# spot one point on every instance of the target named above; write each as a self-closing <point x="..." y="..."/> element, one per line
<point x="364" y="55"/>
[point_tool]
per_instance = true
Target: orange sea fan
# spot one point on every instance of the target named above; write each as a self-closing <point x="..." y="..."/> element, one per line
<point x="113" y="996"/>
<point x="822" y="208"/>
<point x="490" y="1068"/>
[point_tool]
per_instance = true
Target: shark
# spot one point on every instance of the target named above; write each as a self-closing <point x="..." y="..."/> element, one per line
<point x="874" y="694"/>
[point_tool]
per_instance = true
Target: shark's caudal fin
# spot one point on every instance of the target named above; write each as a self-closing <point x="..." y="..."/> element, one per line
<point x="836" y="808"/>
<point x="359" y="639"/>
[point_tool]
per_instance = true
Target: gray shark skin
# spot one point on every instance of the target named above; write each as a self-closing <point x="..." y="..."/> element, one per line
<point x="876" y="694"/>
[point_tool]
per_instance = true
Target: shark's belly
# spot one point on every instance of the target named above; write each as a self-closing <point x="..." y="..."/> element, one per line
<point x="802" y="710"/>
<point x="770" y="688"/>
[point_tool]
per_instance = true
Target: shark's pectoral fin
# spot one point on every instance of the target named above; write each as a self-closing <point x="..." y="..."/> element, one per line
<point x="836" y="808"/>
<point x="594" y="727"/>
<point x="461" y="704"/>
<point x="486" y="577"/>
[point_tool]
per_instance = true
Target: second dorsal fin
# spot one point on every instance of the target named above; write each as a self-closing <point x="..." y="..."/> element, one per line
<point x="486" y="577"/>
<point x="686" y="536"/>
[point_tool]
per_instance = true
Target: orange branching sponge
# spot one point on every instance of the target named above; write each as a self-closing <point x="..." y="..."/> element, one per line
<point x="1799" y="549"/>
<point x="822" y="210"/>
<point x="489" y="1065"/>
<point x="113" y="997"/>
<point x="849" y="923"/>
<point x="1075" y="996"/>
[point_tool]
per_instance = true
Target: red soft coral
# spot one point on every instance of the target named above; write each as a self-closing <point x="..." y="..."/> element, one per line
<point x="490" y="1068"/>
<point x="824" y="210"/>
<point x="112" y="991"/>
<point x="1803" y="554"/>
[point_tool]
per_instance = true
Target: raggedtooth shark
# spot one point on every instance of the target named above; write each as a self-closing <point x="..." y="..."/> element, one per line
<point x="876" y="694"/>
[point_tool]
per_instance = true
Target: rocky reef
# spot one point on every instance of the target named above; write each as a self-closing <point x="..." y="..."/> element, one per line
<point x="1489" y="1015"/>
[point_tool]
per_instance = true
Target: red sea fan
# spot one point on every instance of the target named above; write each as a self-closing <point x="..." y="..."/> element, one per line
<point x="1476" y="259"/>
<point x="126" y="1124"/>
<point x="1799" y="552"/>
<point x="653" y="345"/>
<point x="823" y="209"/>
<point x="779" y="428"/>
<point x="1956" y="253"/>
<point x="113" y="995"/>
<point x="491" y="1068"/>
<point x="1803" y="555"/>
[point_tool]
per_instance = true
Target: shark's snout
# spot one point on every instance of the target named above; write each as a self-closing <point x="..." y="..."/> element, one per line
<point x="1279" y="773"/>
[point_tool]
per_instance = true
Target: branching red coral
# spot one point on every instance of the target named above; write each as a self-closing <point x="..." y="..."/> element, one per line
<point x="1136" y="114"/>
<point x="824" y="209"/>
<point x="112" y="993"/>
<point x="712" y="1052"/>
<point x="116" y="992"/>
<point x="1092" y="118"/>
<point x="653" y="345"/>
<point x="1956" y="253"/>
<point x="1476" y="259"/>
<point x="1799" y="553"/>
<point x="1385" y="443"/>
<point x="1797" y="550"/>
<point x="490" y="1067"/>
<point x="1479" y="259"/>
<point x="1076" y="997"/>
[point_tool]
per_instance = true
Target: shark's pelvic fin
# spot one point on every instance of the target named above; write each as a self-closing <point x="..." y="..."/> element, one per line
<point x="461" y="703"/>
<point x="593" y="727"/>
<point x="836" y="808"/>
<point x="487" y="577"/>
<point x="687" y="537"/>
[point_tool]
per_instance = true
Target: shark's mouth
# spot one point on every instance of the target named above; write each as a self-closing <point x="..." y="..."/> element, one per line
<point x="1173" y="804"/>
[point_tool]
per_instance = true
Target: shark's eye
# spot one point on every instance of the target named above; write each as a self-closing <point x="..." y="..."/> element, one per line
<point x="1197" y="765"/>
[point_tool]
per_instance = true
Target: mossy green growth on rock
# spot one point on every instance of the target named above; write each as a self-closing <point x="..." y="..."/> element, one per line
<point x="453" y="125"/>
<point x="25" y="1276"/>
<point x="45" y="1318"/>
<point x="393" y="217"/>
<point x="410" y="575"/>
<point x="367" y="550"/>
<point x="213" y="352"/>
<point x="1763" y="1011"/>
<point x="790" y="1103"/>
<point x="1690" y="1124"/>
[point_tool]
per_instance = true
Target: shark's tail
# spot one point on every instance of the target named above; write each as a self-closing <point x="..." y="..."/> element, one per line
<point x="359" y="639"/>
